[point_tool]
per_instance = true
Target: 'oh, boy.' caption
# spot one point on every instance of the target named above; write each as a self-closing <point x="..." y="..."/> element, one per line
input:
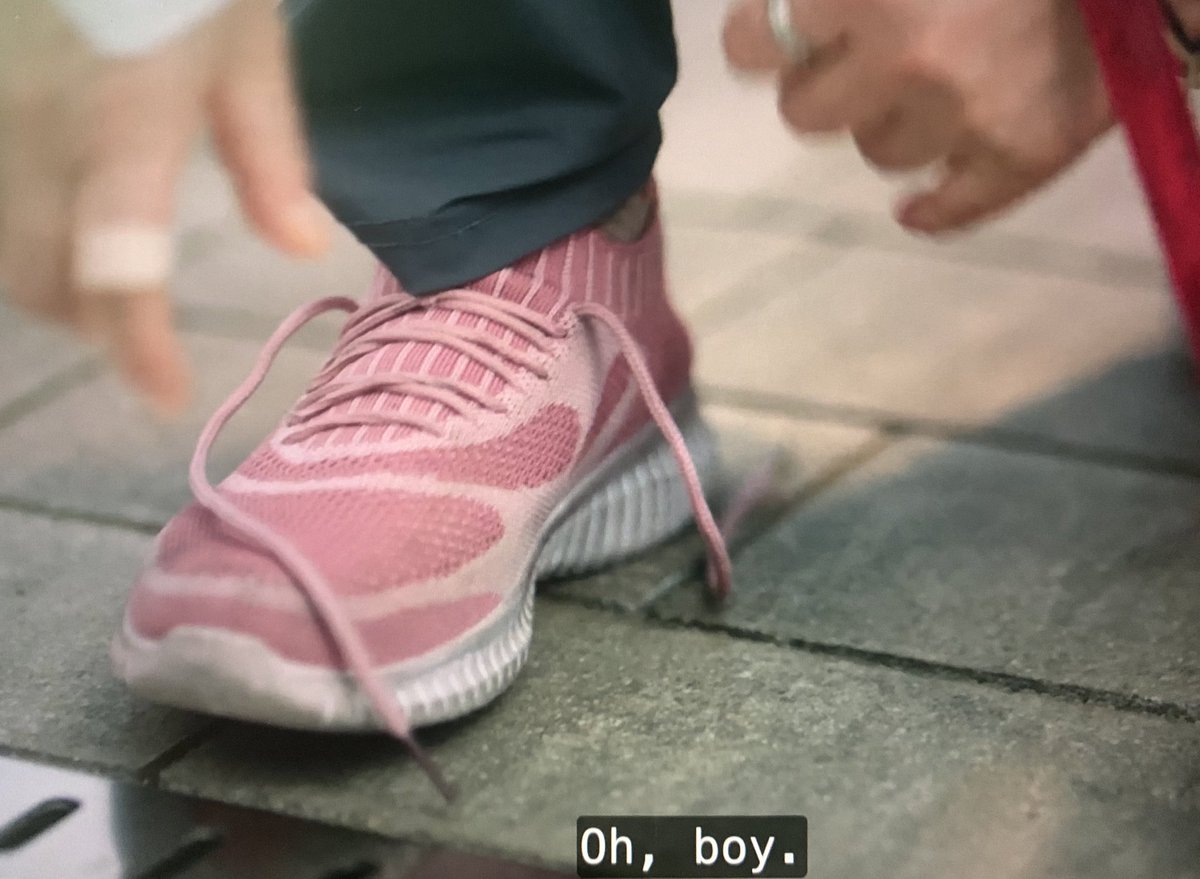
<point x="709" y="847"/>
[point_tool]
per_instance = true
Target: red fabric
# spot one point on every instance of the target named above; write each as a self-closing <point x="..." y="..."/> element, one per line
<point x="1143" y="82"/>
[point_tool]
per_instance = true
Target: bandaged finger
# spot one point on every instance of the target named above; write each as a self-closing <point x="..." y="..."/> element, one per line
<point x="127" y="258"/>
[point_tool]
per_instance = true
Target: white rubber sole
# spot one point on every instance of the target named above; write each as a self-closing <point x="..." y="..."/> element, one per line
<point x="629" y="504"/>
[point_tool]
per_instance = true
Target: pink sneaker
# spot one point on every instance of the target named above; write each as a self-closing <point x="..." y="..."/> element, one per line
<point x="372" y="564"/>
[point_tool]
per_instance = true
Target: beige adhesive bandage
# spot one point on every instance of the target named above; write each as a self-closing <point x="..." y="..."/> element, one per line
<point x="132" y="258"/>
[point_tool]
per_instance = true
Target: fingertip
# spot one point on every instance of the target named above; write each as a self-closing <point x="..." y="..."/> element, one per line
<point x="170" y="405"/>
<point x="917" y="214"/>
<point x="732" y="41"/>
<point x="140" y="340"/>
<point x="935" y="219"/>
<point x="307" y="228"/>
<point x="747" y="41"/>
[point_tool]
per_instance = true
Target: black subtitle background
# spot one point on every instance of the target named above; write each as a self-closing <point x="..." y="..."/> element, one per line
<point x="672" y="841"/>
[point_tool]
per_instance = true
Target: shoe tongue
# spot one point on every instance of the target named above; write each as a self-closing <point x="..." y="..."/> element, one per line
<point x="535" y="281"/>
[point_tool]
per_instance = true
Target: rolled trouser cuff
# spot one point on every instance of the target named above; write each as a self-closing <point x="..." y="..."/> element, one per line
<point x="477" y="236"/>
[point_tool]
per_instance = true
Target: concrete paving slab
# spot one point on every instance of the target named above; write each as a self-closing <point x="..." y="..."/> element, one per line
<point x="810" y="449"/>
<point x="900" y="775"/>
<point x="62" y="592"/>
<point x="685" y="207"/>
<point x="901" y="336"/>
<point x="852" y="230"/>
<point x="31" y="353"/>
<point x="635" y="582"/>
<point x="805" y="453"/>
<point x="1097" y="202"/>
<point x="207" y="203"/>
<point x="987" y="247"/>
<point x="236" y="271"/>
<point x="95" y="450"/>
<point x="1025" y="565"/>
<point x="711" y="272"/>
<point x="225" y="266"/>
<point x="226" y="269"/>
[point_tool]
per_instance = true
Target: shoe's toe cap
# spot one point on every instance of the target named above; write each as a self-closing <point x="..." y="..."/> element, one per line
<point x="215" y="623"/>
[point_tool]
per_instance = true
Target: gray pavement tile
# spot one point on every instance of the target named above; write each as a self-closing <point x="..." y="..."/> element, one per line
<point x="224" y="266"/>
<point x="686" y="208"/>
<point x="227" y="269"/>
<point x="901" y="776"/>
<point x="991" y="246"/>
<point x="95" y="449"/>
<point x="62" y="591"/>
<point x="905" y="336"/>
<point x="707" y="266"/>
<point x="235" y="270"/>
<point x="804" y="452"/>
<point x="31" y="353"/>
<point x="1003" y="245"/>
<point x="809" y="449"/>
<point x="635" y="582"/>
<point x="207" y="204"/>
<point x="1147" y="403"/>
<point x="1026" y="565"/>
<point x="1098" y="201"/>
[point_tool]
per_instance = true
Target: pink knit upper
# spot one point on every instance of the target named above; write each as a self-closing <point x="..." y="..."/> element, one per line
<point x="418" y="470"/>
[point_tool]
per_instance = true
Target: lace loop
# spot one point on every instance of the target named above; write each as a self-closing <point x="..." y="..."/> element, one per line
<point x="372" y="327"/>
<point x="720" y="567"/>
<point x="316" y="589"/>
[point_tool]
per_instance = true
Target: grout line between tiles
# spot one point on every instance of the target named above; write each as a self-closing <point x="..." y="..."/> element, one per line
<point x="852" y="230"/>
<point x="150" y="772"/>
<point x="986" y="436"/>
<point x="48" y="390"/>
<point x="1000" y="250"/>
<point x="82" y="517"/>
<point x="91" y="767"/>
<point x="747" y="293"/>
<point x="243" y="325"/>
<point x="835" y="473"/>
<point x="1014" y="683"/>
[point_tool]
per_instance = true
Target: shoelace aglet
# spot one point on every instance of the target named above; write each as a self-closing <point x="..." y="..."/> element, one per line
<point x="719" y="578"/>
<point x="749" y="495"/>
<point x="429" y="766"/>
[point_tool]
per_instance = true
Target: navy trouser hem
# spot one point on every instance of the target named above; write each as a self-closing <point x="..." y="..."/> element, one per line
<point x="470" y="240"/>
<point x="454" y="137"/>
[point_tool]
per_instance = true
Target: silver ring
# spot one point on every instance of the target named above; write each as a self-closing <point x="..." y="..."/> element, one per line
<point x="798" y="50"/>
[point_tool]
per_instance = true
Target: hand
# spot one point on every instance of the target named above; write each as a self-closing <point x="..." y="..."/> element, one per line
<point x="91" y="150"/>
<point x="1000" y="95"/>
<point x="1188" y="12"/>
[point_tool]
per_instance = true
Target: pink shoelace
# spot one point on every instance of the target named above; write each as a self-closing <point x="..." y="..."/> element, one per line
<point x="364" y="333"/>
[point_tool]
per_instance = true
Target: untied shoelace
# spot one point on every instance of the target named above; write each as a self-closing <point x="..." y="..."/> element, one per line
<point x="366" y="331"/>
